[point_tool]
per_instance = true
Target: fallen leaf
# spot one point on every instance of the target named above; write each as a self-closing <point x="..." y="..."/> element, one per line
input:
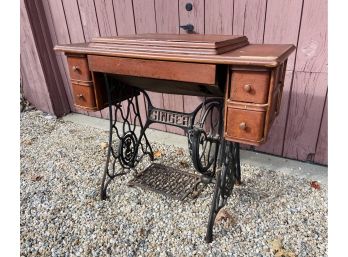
<point x="184" y="164"/>
<point x="276" y="245"/>
<point x="224" y="215"/>
<point x="180" y="151"/>
<point x="142" y="232"/>
<point x="315" y="185"/>
<point x="195" y="194"/>
<point x="36" y="178"/>
<point x="157" y="154"/>
<point x="27" y="142"/>
<point x="104" y="145"/>
<point x="284" y="253"/>
<point x="277" y="249"/>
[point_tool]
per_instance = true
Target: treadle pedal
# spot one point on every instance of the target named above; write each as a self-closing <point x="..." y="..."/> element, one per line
<point x="168" y="181"/>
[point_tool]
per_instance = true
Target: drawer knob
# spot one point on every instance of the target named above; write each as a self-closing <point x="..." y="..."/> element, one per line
<point x="75" y="68"/>
<point x="247" y="88"/>
<point x="80" y="96"/>
<point x="242" y="125"/>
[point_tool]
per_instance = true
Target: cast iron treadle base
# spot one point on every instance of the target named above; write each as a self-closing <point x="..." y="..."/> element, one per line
<point x="167" y="181"/>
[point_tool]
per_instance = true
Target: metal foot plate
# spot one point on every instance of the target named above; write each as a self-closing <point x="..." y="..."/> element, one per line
<point x="167" y="181"/>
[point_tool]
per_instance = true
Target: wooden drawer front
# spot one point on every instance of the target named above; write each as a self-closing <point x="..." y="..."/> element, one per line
<point x="244" y="125"/>
<point x="84" y="96"/>
<point x="179" y="71"/>
<point x="78" y="68"/>
<point x="249" y="86"/>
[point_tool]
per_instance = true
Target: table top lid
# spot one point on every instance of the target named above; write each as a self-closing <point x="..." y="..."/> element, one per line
<point x="172" y="43"/>
<point x="269" y="55"/>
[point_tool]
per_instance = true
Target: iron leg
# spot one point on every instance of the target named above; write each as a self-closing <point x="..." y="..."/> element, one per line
<point x="236" y="157"/>
<point x="225" y="180"/>
<point x="214" y="209"/>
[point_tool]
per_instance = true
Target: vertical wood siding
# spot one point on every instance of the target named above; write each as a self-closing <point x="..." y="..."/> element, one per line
<point x="34" y="83"/>
<point x="300" y="131"/>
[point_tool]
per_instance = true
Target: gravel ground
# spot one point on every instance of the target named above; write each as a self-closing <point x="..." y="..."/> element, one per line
<point x="61" y="214"/>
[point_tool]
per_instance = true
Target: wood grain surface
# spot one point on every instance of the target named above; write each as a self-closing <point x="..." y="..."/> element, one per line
<point x="282" y="24"/>
<point x="303" y="125"/>
<point x="107" y="27"/>
<point x="35" y="88"/>
<point x="218" y="17"/>
<point x="90" y="28"/>
<point x="145" y="22"/>
<point x="74" y="25"/>
<point x="249" y="19"/>
<point x="144" y="16"/>
<point x="106" y="17"/>
<point x="274" y="144"/>
<point x="124" y="17"/>
<point x="41" y="34"/>
<point x="204" y="73"/>
<point x="312" y="45"/>
<point x="195" y="17"/>
<point x="321" y="151"/>
<point x="60" y="35"/>
<point x="167" y="20"/>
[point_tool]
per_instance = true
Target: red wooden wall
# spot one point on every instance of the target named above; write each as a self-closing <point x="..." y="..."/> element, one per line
<point x="300" y="132"/>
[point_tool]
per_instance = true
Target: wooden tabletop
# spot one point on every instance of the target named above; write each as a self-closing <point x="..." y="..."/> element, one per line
<point x="269" y="55"/>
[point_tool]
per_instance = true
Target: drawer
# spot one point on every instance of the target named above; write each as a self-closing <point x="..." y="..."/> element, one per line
<point x="84" y="96"/>
<point x="78" y="67"/>
<point x="246" y="126"/>
<point x="249" y="86"/>
<point x="167" y="70"/>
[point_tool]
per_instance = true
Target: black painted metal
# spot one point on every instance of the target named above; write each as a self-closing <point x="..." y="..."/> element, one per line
<point x="225" y="180"/>
<point x="205" y="136"/>
<point x="188" y="27"/>
<point x="236" y="157"/>
<point x="127" y="150"/>
<point x="216" y="159"/>
<point x="166" y="180"/>
<point x="188" y="7"/>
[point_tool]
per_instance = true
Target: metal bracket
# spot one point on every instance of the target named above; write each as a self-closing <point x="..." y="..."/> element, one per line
<point x="189" y="28"/>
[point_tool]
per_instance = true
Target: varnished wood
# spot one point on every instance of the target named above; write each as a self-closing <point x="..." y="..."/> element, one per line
<point x="259" y="55"/>
<point x="273" y="85"/>
<point x="267" y="101"/>
<point x="252" y="90"/>
<point x="173" y="40"/>
<point x="145" y="22"/>
<point x="249" y="86"/>
<point x="84" y="97"/>
<point x="187" y="72"/>
<point x="244" y="126"/>
<point x="171" y="43"/>
<point x="78" y="67"/>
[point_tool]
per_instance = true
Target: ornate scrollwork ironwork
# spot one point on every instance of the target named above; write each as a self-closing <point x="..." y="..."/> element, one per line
<point x="126" y="150"/>
<point x="205" y="135"/>
<point x="216" y="159"/>
<point x="225" y="180"/>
